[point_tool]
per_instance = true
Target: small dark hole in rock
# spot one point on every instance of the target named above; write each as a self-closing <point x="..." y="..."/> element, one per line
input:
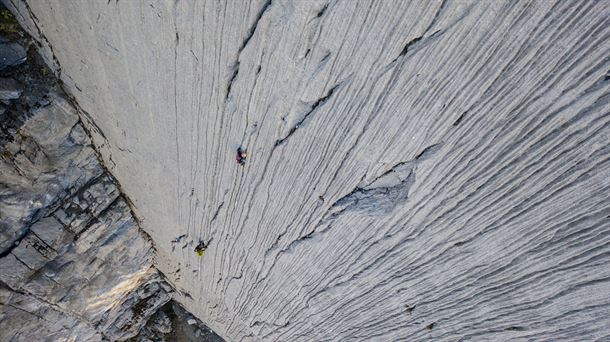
<point x="515" y="329"/>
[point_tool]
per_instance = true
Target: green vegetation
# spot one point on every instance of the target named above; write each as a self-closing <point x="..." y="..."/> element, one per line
<point x="9" y="27"/>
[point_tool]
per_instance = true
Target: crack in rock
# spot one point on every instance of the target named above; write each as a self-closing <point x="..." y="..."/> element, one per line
<point x="305" y="116"/>
<point x="385" y="192"/>
<point x="249" y="35"/>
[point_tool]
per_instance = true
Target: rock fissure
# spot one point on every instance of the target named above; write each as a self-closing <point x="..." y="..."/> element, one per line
<point x="320" y="102"/>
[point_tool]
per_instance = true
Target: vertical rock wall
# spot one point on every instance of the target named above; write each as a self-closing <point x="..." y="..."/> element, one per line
<point x="426" y="170"/>
<point x="74" y="265"/>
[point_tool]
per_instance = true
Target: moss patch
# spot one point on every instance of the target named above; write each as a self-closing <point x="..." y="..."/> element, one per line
<point x="9" y="27"/>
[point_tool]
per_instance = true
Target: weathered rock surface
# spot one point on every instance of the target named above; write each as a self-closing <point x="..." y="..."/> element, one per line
<point x="10" y="53"/>
<point x="74" y="264"/>
<point x="173" y="323"/>
<point x="10" y="89"/>
<point x="416" y="170"/>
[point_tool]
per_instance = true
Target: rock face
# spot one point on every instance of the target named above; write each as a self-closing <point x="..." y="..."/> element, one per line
<point x="172" y="323"/>
<point x="414" y="170"/>
<point x="74" y="265"/>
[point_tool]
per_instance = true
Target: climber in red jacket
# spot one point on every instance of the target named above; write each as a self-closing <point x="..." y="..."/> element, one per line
<point x="241" y="156"/>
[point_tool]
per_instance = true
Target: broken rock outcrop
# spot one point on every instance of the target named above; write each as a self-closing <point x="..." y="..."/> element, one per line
<point x="73" y="262"/>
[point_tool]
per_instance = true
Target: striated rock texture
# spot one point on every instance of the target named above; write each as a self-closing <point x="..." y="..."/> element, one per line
<point x="425" y="170"/>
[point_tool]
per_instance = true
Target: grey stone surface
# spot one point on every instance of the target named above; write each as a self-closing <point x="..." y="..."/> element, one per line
<point x="172" y="323"/>
<point x="48" y="160"/>
<point x="11" y="54"/>
<point x="9" y="89"/>
<point x="25" y="318"/>
<point x="426" y="170"/>
<point x="74" y="265"/>
<point x="50" y="231"/>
